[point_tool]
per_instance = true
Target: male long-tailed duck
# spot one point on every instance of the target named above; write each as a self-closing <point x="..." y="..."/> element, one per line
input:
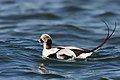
<point x="69" y="53"/>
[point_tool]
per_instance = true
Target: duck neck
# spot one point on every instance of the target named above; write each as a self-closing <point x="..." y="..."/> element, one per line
<point x="48" y="44"/>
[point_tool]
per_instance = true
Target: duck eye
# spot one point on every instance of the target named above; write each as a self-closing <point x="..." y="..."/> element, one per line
<point x="41" y="40"/>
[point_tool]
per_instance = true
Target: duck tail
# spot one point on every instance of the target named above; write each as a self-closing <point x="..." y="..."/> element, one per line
<point x="107" y="37"/>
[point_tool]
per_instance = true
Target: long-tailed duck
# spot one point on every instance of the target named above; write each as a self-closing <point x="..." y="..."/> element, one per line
<point x="69" y="52"/>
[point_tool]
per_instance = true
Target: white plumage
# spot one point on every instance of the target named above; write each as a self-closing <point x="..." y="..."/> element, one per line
<point x="68" y="52"/>
<point x="61" y="52"/>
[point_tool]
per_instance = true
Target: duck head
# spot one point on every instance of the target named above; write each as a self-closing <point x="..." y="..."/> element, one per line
<point x="46" y="40"/>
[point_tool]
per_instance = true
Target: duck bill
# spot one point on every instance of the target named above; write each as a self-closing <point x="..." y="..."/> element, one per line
<point x="40" y="41"/>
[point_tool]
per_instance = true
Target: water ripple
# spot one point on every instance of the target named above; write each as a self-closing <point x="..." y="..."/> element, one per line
<point x="75" y="23"/>
<point x="49" y="16"/>
<point x="71" y="8"/>
<point x="106" y="14"/>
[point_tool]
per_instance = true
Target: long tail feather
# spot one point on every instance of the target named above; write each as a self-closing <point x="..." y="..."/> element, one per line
<point x="106" y="39"/>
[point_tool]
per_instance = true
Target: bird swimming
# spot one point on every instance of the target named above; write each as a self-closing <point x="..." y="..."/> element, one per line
<point x="69" y="52"/>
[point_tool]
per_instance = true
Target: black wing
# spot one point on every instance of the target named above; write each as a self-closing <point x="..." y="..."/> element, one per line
<point x="80" y="51"/>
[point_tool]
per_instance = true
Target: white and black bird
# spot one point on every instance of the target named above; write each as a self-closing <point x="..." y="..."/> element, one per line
<point x="69" y="52"/>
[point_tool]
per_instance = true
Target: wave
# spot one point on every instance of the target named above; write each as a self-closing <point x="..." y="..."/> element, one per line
<point x="48" y="16"/>
<point x="71" y="8"/>
<point x="7" y="1"/>
<point x="107" y="14"/>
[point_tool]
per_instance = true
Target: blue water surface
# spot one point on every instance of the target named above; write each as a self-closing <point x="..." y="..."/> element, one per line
<point x="69" y="22"/>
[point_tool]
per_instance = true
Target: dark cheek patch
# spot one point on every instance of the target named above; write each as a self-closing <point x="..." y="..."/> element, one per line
<point x="49" y="44"/>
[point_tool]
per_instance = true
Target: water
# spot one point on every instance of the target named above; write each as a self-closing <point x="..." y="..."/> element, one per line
<point x="69" y="22"/>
